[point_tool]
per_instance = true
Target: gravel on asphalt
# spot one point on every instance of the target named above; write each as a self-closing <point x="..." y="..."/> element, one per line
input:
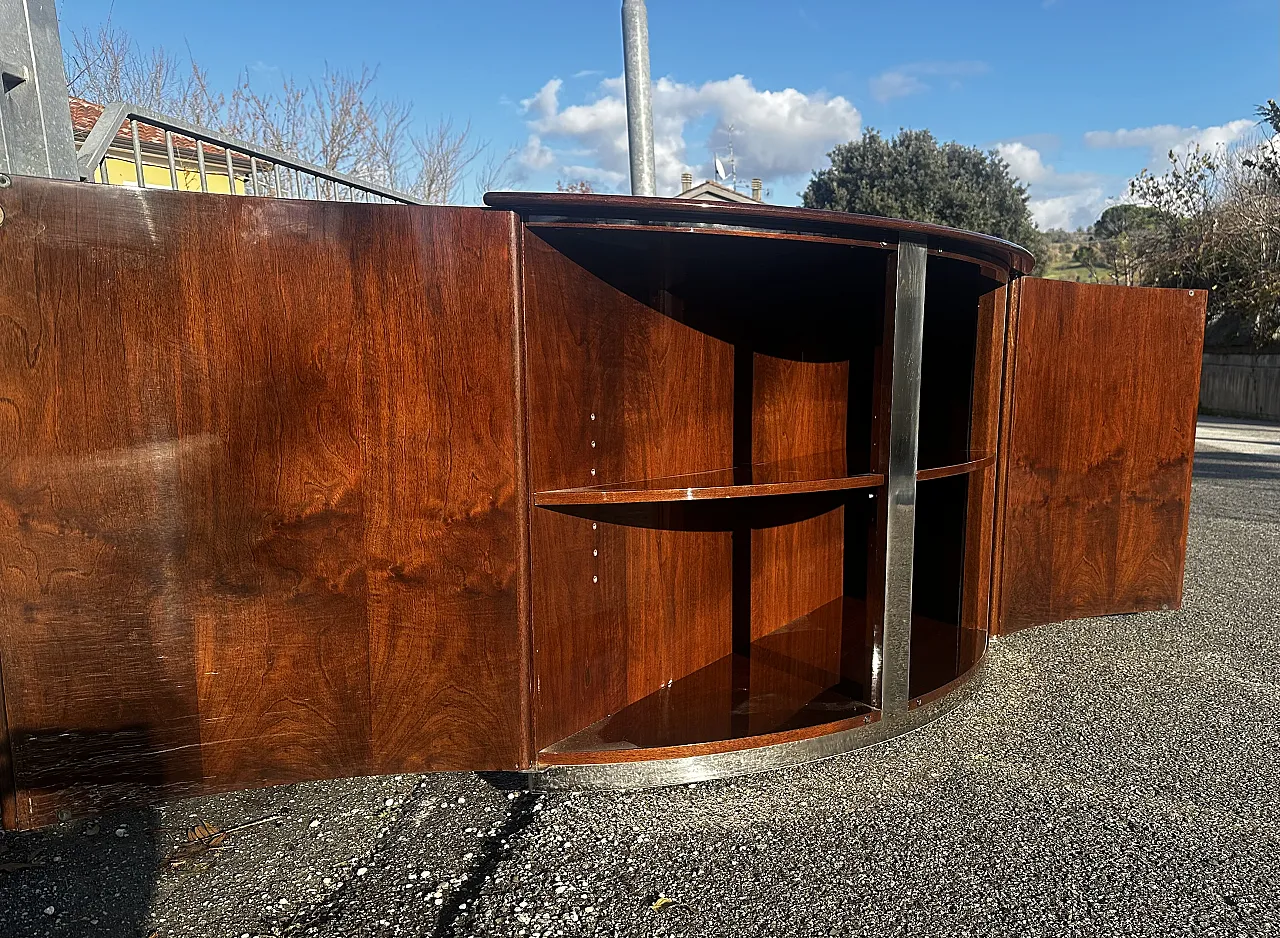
<point x="1113" y="776"/>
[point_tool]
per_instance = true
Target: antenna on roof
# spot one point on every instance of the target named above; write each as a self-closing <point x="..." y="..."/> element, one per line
<point x="732" y="174"/>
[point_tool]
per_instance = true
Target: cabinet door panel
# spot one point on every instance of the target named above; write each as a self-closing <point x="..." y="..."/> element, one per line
<point x="260" y="498"/>
<point x="1097" y="461"/>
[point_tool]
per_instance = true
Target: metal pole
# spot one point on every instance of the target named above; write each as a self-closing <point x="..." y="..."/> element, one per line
<point x="35" y="122"/>
<point x="904" y="426"/>
<point x="635" y="45"/>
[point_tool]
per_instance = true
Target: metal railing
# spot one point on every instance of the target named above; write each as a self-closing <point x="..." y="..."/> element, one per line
<point x="191" y="152"/>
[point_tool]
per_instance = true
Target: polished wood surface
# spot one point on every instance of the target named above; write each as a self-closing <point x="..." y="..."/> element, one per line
<point x="667" y="211"/>
<point x="673" y="344"/>
<point x="294" y="490"/>
<point x="938" y="586"/>
<point x="703" y="485"/>
<point x="448" y="645"/>
<point x="1000" y="485"/>
<point x="650" y="357"/>
<point x="797" y="407"/>
<point x="794" y="679"/>
<point x="959" y="469"/>
<point x="619" y="388"/>
<point x="613" y="756"/>
<point x="1099" y="450"/>
<point x="984" y="437"/>
<point x="258" y="506"/>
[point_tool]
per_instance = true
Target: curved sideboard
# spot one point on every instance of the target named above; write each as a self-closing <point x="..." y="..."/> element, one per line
<point x="612" y="491"/>
<point x="725" y="492"/>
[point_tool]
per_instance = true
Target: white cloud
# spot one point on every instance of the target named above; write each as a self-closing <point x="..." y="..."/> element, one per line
<point x="1071" y="211"/>
<point x="1161" y="138"/>
<point x="606" y="177"/>
<point x="1058" y="200"/>
<point x="777" y="134"/>
<point x="910" y="78"/>
<point x="536" y="155"/>
<point x="1024" y="162"/>
<point x="545" y="102"/>
<point x="1070" y="200"/>
<point x="889" y="85"/>
<point x="1027" y="163"/>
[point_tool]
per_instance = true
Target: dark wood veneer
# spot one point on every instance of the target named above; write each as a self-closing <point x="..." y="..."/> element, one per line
<point x="702" y="485"/>
<point x="790" y="682"/>
<point x="963" y="468"/>
<point x="250" y="531"/>
<point x="293" y="490"/>
<point x="866" y="227"/>
<point x="1099" y="451"/>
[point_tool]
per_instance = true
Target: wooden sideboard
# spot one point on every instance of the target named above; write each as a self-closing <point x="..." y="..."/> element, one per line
<point x="615" y="491"/>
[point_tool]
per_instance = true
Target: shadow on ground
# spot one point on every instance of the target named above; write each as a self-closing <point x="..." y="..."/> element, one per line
<point x="93" y="877"/>
<point x="1237" y="466"/>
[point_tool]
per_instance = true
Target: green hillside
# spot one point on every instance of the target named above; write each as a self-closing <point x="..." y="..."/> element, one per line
<point x="1059" y="264"/>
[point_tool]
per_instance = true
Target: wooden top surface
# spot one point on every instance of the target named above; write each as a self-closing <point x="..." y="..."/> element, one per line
<point x="626" y="208"/>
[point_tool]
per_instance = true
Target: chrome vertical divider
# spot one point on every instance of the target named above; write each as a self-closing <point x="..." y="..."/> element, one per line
<point x="904" y="426"/>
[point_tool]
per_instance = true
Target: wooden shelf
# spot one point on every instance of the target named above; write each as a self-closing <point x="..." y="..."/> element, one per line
<point x="732" y="483"/>
<point x="700" y="487"/>
<point x="941" y="653"/>
<point x="791" y="477"/>
<point x="956" y="469"/>
<point x="808" y="678"/>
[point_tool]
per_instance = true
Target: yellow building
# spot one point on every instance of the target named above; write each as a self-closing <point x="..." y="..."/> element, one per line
<point x="119" y="167"/>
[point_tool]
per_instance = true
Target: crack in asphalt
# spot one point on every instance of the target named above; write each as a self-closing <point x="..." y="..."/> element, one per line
<point x="519" y="816"/>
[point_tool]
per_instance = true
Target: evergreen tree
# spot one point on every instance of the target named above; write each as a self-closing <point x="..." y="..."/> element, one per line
<point x="914" y="177"/>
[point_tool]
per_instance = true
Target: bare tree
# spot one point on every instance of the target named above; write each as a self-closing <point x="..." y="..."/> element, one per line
<point x="107" y="65"/>
<point x="330" y="121"/>
<point x="443" y="154"/>
<point x="497" y="172"/>
<point x="388" y="141"/>
<point x="1221" y="228"/>
<point x="337" y="120"/>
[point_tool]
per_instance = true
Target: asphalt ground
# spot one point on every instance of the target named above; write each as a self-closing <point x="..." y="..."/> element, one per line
<point x="1114" y="776"/>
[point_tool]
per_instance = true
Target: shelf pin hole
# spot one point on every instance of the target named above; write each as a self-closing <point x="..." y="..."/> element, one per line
<point x="595" y="553"/>
<point x="595" y="579"/>
<point x="593" y="444"/>
<point x="594" y="525"/>
<point x="593" y="416"/>
<point x="593" y="472"/>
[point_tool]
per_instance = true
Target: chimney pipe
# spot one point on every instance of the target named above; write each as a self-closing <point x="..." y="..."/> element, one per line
<point x="757" y="189"/>
<point x="635" y="47"/>
<point x="686" y="182"/>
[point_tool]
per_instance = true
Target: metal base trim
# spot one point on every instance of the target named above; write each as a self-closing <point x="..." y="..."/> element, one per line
<point x="660" y="773"/>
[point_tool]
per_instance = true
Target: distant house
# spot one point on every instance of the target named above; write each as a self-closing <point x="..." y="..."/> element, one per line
<point x="119" y="167"/>
<point x="710" y="191"/>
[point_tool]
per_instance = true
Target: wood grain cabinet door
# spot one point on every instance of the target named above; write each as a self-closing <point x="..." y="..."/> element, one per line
<point x="1097" y="455"/>
<point x="260" y="494"/>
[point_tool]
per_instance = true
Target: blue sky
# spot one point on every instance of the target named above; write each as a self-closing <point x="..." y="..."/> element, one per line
<point x="1079" y="95"/>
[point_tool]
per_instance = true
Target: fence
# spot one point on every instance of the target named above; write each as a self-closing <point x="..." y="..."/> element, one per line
<point x="1241" y="385"/>
<point x="156" y="150"/>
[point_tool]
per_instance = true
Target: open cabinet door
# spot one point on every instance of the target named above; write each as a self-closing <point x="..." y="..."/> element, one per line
<point x="260" y="494"/>
<point x="1101" y="393"/>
